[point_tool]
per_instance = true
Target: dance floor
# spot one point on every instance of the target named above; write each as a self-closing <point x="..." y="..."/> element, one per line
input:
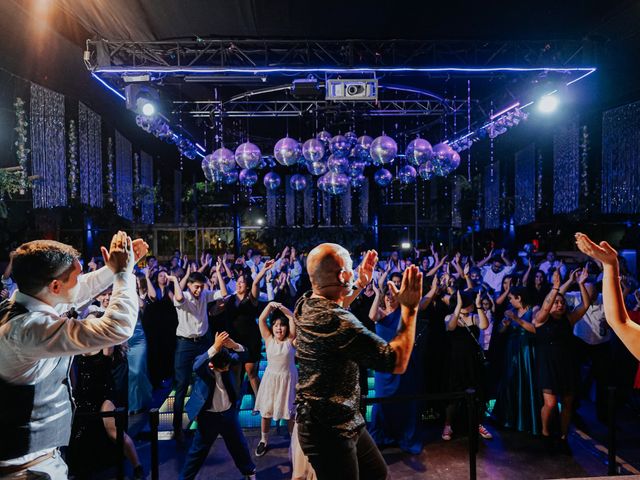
<point x="509" y="455"/>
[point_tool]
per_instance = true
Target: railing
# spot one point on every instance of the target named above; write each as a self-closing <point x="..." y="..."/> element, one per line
<point x="470" y="399"/>
<point x="120" y="417"/>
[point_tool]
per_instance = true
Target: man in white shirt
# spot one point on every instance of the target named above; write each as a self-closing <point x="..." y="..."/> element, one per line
<point x="212" y="402"/>
<point x="493" y="274"/>
<point x="551" y="262"/>
<point x="192" y="339"/>
<point x="37" y="344"/>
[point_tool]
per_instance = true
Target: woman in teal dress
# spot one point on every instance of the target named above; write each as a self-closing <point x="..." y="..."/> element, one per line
<point x="518" y="400"/>
<point x="393" y="423"/>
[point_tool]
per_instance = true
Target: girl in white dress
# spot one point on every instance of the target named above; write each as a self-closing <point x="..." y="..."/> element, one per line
<point x="278" y="386"/>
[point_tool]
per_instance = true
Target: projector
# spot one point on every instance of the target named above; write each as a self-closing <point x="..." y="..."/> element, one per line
<point x="352" y="90"/>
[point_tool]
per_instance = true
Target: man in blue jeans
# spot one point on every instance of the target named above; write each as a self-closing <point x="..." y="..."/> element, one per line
<point x="213" y="404"/>
<point x="192" y="339"/>
<point x="331" y="345"/>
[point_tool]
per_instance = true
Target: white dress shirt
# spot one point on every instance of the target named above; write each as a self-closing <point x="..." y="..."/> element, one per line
<point x="493" y="279"/>
<point x="193" y="319"/>
<point x="593" y="322"/>
<point x="220" y="401"/>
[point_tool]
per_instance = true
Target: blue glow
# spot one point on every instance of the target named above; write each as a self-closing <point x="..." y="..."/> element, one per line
<point x="581" y="77"/>
<point x="200" y="147"/>
<point x="517" y="104"/>
<point x="108" y="86"/>
<point x="201" y="155"/>
<point x="210" y="70"/>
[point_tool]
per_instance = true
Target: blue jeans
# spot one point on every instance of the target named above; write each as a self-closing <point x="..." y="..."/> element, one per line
<point x="209" y="426"/>
<point x="186" y="353"/>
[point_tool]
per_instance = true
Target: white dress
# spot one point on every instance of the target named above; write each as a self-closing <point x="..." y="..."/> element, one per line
<point x="277" y="390"/>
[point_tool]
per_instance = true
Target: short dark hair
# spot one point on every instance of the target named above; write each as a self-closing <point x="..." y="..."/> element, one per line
<point x="221" y="359"/>
<point x="36" y="263"/>
<point x="395" y="274"/>
<point x="282" y="318"/>
<point x="197" y="277"/>
<point x="523" y="293"/>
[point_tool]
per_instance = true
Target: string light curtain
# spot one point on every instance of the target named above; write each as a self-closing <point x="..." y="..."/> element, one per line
<point x="525" y="188"/>
<point x="290" y="202"/>
<point x="566" y="168"/>
<point x="177" y="196"/>
<point x="272" y="203"/>
<point x="90" y="145"/>
<point x="124" y="178"/>
<point x="309" y="204"/>
<point x="345" y="207"/>
<point x="146" y="181"/>
<point x="48" y="156"/>
<point x="456" y="196"/>
<point x="492" y="196"/>
<point x="620" y="159"/>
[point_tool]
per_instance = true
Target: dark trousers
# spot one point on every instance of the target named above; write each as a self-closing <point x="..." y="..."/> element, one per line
<point x="209" y="426"/>
<point x="333" y="456"/>
<point x="186" y="353"/>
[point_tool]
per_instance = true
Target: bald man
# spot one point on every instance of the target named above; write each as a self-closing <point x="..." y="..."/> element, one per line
<point x="331" y="345"/>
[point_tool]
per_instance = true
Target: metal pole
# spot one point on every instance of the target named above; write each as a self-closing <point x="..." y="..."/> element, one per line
<point x="120" y="419"/>
<point x="154" y="421"/>
<point x="470" y="395"/>
<point x="613" y="467"/>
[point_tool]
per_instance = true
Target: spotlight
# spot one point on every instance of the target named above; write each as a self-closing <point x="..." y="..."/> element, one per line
<point x="405" y="245"/>
<point x="260" y="221"/>
<point x="148" y="108"/>
<point x="548" y="103"/>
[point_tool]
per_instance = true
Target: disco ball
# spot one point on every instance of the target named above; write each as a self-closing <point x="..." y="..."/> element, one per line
<point x="317" y="167"/>
<point x="454" y="160"/>
<point x="298" y="182"/>
<point x="207" y="167"/>
<point x="287" y="151"/>
<point x="352" y="138"/>
<point x="324" y="137"/>
<point x="407" y="175"/>
<point x="313" y="150"/>
<point x="230" y="178"/>
<point x="322" y="184"/>
<point x="248" y="156"/>
<point x="383" y="150"/>
<point x="271" y="181"/>
<point x="418" y="151"/>
<point x="336" y="183"/>
<point x="383" y="177"/>
<point x="356" y="167"/>
<point x="363" y="146"/>
<point x="337" y="164"/>
<point x="248" y="177"/>
<point x="357" y="181"/>
<point x="425" y="170"/>
<point x="339" y="146"/>
<point x="223" y="160"/>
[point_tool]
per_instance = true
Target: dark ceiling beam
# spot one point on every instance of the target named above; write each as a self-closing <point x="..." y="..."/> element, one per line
<point x="217" y="53"/>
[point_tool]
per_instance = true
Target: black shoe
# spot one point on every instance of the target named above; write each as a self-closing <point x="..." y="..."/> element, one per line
<point x="261" y="449"/>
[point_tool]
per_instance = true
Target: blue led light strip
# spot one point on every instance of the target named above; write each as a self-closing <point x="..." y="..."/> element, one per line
<point x="108" y="86"/>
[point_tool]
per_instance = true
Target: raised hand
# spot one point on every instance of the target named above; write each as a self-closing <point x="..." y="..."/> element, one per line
<point x="479" y="300"/>
<point x="410" y="291"/>
<point x="268" y="265"/>
<point x="366" y="268"/>
<point x="584" y="275"/>
<point x="140" y="249"/>
<point x="220" y="339"/>
<point x="231" y="343"/>
<point x="93" y="266"/>
<point x="555" y="279"/>
<point x="604" y="252"/>
<point x="120" y="257"/>
<point x="574" y="275"/>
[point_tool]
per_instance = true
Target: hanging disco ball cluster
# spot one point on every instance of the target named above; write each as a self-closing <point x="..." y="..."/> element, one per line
<point x="338" y="161"/>
<point x="159" y="127"/>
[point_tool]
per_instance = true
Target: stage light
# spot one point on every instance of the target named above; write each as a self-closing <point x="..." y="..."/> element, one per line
<point x="548" y="103"/>
<point x="405" y="245"/>
<point x="148" y="108"/>
<point x="260" y="221"/>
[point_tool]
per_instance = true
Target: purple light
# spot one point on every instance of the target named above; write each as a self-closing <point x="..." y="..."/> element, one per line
<point x="255" y="71"/>
<point x="108" y="86"/>
<point x="200" y="147"/>
<point x="517" y="104"/>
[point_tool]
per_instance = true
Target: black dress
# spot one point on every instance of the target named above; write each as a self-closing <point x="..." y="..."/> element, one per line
<point x="557" y="361"/>
<point x="241" y="320"/>
<point x="160" y="321"/>
<point x="90" y="449"/>
<point x="465" y="367"/>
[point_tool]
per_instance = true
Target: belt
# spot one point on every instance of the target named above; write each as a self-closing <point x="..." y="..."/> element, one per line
<point x="191" y="339"/>
<point x="9" y="469"/>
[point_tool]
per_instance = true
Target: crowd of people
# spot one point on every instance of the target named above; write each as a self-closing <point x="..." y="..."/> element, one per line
<point x="525" y="329"/>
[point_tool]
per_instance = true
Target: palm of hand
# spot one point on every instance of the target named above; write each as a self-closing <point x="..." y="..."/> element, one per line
<point x="603" y="252"/>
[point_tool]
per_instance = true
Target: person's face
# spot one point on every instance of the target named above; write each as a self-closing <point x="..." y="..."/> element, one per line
<point x="559" y="306"/>
<point x="152" y="262"/>
<point x="241" y="285"/>
<point x="539" y="279"/>
<point x="280" y="331"/>
<point x="162" y="278"/>
<point x="394" y="256"/>
<point x="104" y="299"/>
<point x="195" y="288"/>
<point x="397" y="281"/>
<point x="506" y="283"/>
<point x="390" y="301"/>
<point x="474" y="276"/>
<point x="174" y="262"/>
<point x="249" y="253"/>
<point x="425" y="263"/>
<point x="486" y="305"/>
<point x="66" y="290"/>
<point x="551" y="257"/>
<point x="257" y="259"/>
<point x="516" y="302"/>
<point x="496" y="267"/>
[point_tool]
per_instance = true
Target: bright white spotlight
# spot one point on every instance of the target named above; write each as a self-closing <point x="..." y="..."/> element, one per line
<point x="405" y="245"/>
<point x="548" y="103"/>
<point x="148" y="109"/>
<point x="260" y="221"/>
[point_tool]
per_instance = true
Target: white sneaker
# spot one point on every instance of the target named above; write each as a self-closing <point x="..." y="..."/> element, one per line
<point x="447" y="432"/>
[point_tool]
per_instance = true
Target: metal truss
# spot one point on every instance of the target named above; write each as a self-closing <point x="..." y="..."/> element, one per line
<point x="296" y="108"/>
<point x="110" y="55"/>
